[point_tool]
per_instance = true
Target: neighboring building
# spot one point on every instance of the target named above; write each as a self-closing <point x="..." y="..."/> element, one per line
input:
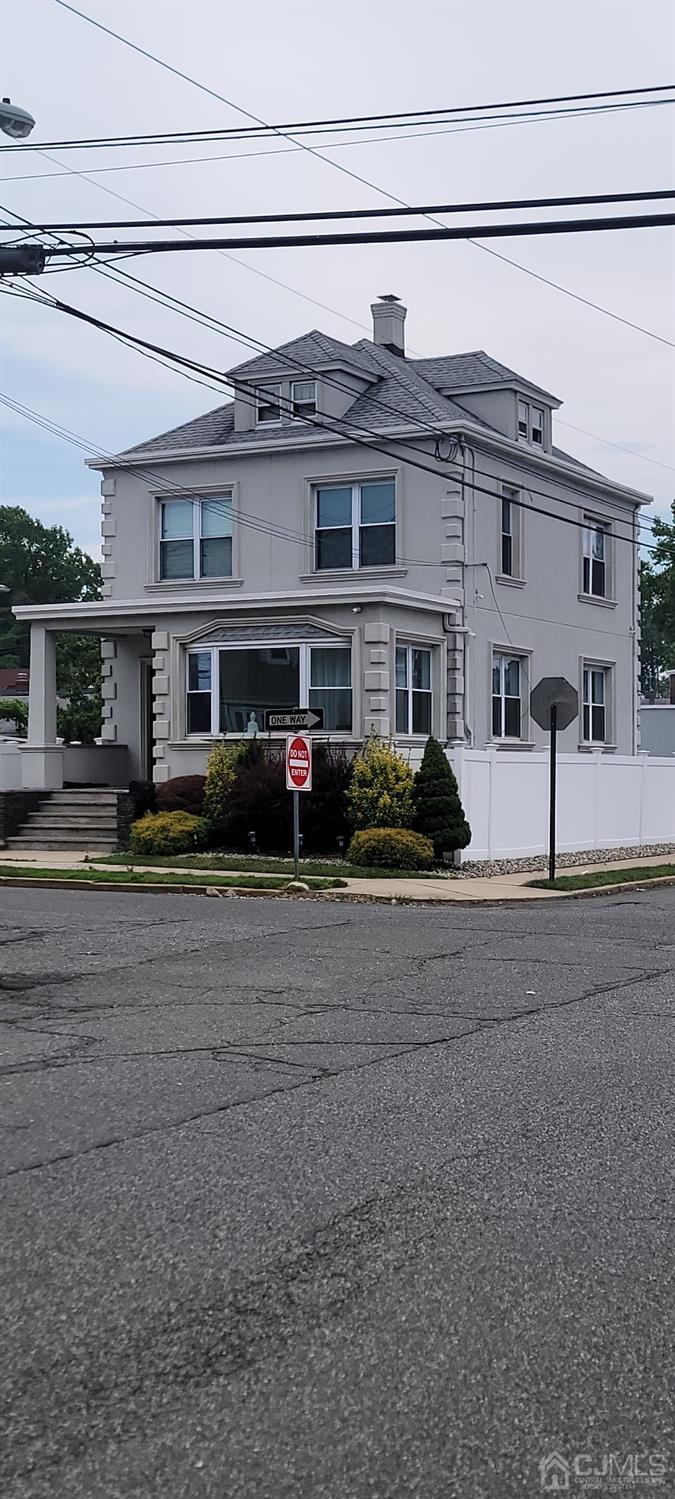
<point x="14" y="686"/>
<point x="261" y="557"/>
<point x="657" y="724"/>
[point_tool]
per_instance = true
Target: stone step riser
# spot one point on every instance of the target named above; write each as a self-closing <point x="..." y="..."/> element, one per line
<point x="92" y="846"/>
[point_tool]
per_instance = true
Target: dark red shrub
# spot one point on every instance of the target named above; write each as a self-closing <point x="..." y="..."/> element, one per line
<point x="181" y="794"/>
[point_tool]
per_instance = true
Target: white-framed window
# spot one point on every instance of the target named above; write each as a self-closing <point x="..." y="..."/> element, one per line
<point x="507" y="695"/>
<point x="355" y="525"/>
<point x="510" y="551"/>
<point x="303" y="398"/>
<point x="595" y="703"/>
<point x="195" y="538"/>
<point x="268" y="404"/>
<point x="413" y="689"/>
<point x="530" y="423"/>
<point x="594" y="564"/>
<point x="227" y="686"/>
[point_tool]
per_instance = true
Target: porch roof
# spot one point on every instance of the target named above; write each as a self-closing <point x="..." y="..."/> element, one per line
<point x="107" y="615"/>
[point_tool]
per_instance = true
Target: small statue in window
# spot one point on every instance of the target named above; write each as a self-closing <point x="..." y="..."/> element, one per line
<point x="252" y="726"/>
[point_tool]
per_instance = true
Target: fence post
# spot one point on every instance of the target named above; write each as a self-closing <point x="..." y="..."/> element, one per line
<point x="492" y="761"/>
<point x="643" y="757"/>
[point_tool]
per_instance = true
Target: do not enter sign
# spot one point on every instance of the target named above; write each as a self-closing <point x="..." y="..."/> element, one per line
<point x="298" y="763"/>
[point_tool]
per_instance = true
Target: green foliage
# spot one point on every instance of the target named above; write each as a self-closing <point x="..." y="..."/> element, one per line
<point x="391" y="848"/>
<point x="658" y="608"/>
<point x="12" y="709"/>
<point x="221" y="771"/>
<point x="41" y="565"/>
<point x="437" y="809"/>
<point x="181" y="794"/>
<point x="168" y="833"/>
<point x="380" y="793"/>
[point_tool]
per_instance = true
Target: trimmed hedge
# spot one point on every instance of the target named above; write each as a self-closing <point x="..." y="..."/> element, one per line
<point x="168" y="833"/>
<point x="390" y="848"/>
<point x="182" y="794"/>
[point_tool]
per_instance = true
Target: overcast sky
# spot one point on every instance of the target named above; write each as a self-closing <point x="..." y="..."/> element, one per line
<point x="288" y="61"/>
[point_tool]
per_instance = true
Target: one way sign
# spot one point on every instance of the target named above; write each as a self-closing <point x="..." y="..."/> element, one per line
<point x="298" y="719"/>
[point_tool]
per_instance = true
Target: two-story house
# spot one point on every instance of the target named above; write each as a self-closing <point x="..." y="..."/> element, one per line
<point x="395" y="540"/>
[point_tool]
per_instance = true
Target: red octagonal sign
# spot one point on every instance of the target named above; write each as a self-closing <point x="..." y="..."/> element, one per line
<point x="298" y="763"/>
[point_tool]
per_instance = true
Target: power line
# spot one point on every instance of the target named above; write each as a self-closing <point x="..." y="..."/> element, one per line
<point x="377" y="140"/>
<point x="378" y="237"/>
<point x="221" y="98"/>
<point x="645" y="458"/>
<point x="404" y="129"/>
<point x="195" y="314"/>
<point x="340" y="122"/>
<point x="322" y="216"/>
<point x="367" y="439"/>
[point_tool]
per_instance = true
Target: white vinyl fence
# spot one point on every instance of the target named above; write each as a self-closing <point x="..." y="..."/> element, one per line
<point x="604" y="801"/>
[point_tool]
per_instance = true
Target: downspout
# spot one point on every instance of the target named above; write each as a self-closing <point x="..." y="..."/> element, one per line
<point x="469" y="612"/>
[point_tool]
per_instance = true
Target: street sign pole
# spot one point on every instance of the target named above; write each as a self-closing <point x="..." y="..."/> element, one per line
<point x="553" y="756"/>
<point x="296" y="835"/>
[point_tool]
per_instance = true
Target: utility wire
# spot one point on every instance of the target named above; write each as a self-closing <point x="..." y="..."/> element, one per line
<point x="323" y="216"/>
<point x="360" y="434"/>
<point x="377" y="237"/>
<point x="404" y="128"/>
<point x="194" y="314"/>
<point x="289" y="150"/>
<point x="221" y="98"/>
<point x="340" y="122"/>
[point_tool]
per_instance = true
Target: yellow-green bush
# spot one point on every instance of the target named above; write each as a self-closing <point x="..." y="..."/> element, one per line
<point x="221" y="771"/>
<point x="169" y="833"/>
<point x="390" y="848"/>
<point x="380" y="792"/>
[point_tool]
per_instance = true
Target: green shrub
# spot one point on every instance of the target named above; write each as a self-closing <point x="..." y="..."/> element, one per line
<point x="221" y="771"/>
<point x="437" y="809"/>
<point x="13" y="709"/>
<point x="380" y="792"/>
<point x="390" y="848"/>
<point x="168" y="833"/>
<point x="181" y="794"/>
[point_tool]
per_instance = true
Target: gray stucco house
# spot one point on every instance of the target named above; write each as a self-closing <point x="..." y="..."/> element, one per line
<point x="396" y="540"/>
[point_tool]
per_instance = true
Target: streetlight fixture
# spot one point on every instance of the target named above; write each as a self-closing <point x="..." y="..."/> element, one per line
<point x="15" y="121"/>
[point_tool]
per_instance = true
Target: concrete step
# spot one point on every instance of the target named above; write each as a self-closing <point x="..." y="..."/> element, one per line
<point x="82" y="798"/>
<point x="88" y="842"/>
<point x="52" y="845"/>
<point x="86" y="814"/>
<point x="107" y="826"/>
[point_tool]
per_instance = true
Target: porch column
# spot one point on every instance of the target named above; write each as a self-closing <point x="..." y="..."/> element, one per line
<point x="42" y="757"/>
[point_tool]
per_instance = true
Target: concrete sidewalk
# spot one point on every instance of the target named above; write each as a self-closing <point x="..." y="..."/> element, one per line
<point x="502" y="887"/>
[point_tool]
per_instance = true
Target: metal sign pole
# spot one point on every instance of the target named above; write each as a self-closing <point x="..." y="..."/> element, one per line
<point x="296" y="834"/>
<point x="553" y="754"/>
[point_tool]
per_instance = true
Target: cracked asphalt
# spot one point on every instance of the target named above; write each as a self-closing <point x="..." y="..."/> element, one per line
<point x="303" y="1199"/>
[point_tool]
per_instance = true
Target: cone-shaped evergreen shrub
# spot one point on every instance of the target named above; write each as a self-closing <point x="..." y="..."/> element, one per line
<point x="437" y="809"/>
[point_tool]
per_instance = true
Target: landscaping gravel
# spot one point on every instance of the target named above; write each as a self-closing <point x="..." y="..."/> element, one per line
<point x="563" y="861"/>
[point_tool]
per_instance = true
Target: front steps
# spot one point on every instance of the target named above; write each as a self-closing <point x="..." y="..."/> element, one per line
<point x="71" y="820"/>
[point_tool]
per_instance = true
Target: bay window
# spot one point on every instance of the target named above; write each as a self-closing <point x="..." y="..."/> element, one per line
<point x="229" y="686"/>
<point x="355" y="525"/>
<point x="195" y="538"/>
<point x="413" y="689"/>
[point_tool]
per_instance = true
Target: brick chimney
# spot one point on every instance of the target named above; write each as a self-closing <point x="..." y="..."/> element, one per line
<point x="389" y="323"/>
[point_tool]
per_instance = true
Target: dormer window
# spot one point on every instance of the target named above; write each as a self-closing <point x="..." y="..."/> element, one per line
<point x="531" y="423"/>
<point x="303" y="398"/>
<point x="268" y="404"/>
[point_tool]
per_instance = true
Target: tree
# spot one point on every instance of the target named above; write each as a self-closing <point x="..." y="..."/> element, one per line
<point x="41" y="565"/>
<point x="437" y="809"/>
<point x="657" y="585"/>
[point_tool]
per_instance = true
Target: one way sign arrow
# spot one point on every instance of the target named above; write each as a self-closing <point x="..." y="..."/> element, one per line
<point x="298" y="719"/>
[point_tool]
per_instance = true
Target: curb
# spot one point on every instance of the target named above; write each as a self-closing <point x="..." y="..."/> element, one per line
<point x="130" y="888"/>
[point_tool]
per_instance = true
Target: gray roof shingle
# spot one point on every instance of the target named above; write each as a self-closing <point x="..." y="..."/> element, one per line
<point x="418" y="391"/>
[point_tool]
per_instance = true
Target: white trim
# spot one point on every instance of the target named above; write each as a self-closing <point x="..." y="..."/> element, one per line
<point x="106" y="610"/>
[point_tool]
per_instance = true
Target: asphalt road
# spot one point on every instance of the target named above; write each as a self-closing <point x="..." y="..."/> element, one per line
<point x="329" y="1201"/>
